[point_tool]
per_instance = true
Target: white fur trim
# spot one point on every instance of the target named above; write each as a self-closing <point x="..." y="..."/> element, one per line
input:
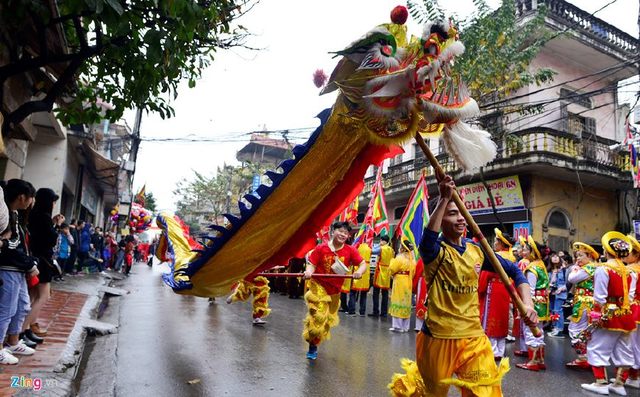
<point x="470" y="148"/>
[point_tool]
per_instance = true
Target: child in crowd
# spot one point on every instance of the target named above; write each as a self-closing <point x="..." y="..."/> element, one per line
<point x="62" y="250"/>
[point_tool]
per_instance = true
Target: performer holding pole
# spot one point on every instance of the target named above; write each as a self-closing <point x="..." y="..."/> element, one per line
<point x="452" y="340"/>
<point x="323" y="294"/>
<point x="259" y="288"/>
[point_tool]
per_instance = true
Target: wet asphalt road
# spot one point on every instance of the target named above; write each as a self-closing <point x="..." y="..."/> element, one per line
<point x="166" y="340"/>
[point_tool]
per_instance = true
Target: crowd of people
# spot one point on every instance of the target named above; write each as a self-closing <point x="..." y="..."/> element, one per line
<point x="36" y="248"/>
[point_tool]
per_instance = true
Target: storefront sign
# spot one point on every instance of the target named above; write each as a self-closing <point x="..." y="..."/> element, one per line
<point x="507" y="196"/>
<point x="521" y="229"/>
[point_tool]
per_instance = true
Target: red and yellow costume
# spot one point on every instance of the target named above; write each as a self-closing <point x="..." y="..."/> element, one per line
<point x="495" y="302"/>
<point x="420" y="289"/>
<point x="323" y="294"/>
<point x="259" y="289"/>
<point x="613" y="290"/>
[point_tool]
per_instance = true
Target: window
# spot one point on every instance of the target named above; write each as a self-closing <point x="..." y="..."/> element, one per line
<point x="581" y="127"/>
<point x="558" y="220"/>
<point x="576" y="97"/>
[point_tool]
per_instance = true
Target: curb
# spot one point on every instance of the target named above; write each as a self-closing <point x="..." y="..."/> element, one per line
<point x="60" y="379"/>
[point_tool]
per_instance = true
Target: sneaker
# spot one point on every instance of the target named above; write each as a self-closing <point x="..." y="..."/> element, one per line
<point x="635" y="383"/>
<point x="20" y="349"/>
<point x="258" y="321"/>
<point x="351" y="314"/>
<point x="229" y="299"/>
<point x="7" y="358"/>
<point x="27" y="341"/>
<point x="600" y="388"/>
<point x="558" y="335"/>
<point x="373" y="315"/>
<point x="394" y="329"/>
<point x="510" y="339"/>
<point x="362" y="314"/>
<point x="312" y="354"/>
<point x="103" y="273"/>
<point x="617" y="389"/>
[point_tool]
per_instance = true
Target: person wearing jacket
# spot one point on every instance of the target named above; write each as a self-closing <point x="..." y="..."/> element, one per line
<point x="15" y="264"/>
<point x="43" y="238"/>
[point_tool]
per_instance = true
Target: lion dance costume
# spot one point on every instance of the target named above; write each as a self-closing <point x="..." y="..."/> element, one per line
<point x="259" y="289"/>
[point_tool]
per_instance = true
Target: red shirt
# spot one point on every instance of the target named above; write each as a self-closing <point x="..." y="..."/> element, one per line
<point x="322" y="258"/>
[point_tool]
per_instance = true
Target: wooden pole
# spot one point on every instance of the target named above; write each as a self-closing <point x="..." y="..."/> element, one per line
<point x="302" y="275"/>
<point x="488" y="251"/>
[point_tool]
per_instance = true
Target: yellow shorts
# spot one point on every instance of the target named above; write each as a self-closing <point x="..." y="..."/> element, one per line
<point x="470" y="359"/>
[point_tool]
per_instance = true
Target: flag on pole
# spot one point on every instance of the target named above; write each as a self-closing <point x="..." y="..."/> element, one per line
<point x="375" y="220"/>
<point x="415" y="216"/>
<point x="350" y="214"/>
<point x="140" y="196"/>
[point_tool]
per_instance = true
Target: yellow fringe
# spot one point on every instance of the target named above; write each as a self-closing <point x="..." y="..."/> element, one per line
<point x="242" y="292"/>
<point x="261" y="296"/>
<point x="503" y="368"/>
<point x="319" y="320"/>
<point x="409" y="384"/>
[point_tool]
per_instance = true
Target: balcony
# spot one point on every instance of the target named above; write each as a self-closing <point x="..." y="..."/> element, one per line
<point x="543" y="151"/>
<point x="582" y="22"/>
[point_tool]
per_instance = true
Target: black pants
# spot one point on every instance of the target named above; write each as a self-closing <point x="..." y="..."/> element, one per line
<point x="358" y="296"/>
<point x="380" y="308"/>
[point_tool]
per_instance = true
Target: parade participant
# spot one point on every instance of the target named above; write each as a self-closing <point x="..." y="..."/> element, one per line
<point x="613" y="290"/>
<point x="581" y="276"/>
<point x="518" y="325"/>
<point x="323" y="294"/>
<point x="402" y="269"/>
<point x="360" y="287"/>
<point x="452" y="340"/>
<point x="558" y="283"/>
<point x="495" y="300"/>
<point x="420" y="289"/>
<point x="536" y="274"/>
<point x="259" y="289"/>
<point x="382" y="279"/>
<point x="634" y="265"/>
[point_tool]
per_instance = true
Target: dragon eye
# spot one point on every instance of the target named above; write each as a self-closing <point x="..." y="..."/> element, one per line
<point x="431" y="49"/>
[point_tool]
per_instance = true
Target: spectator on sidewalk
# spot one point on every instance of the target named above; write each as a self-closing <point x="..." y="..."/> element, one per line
<point x="129" y="249"/>
<point x="73" y="256"/>
<point x="97" y="240"/>
<point x="43" y="238"/>
<point x="15" y="263"/>
<point x="94" y="262"/>
<point x="122" y="244"/>
<point x="84" y="242"/>
<point x="62" y="250"/>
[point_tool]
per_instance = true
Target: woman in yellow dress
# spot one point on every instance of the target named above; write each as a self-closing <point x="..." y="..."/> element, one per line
<point x="402" y="268"/>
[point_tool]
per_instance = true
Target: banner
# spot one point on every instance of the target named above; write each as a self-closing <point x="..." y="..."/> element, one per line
<point x="521" y="229"/>
<point x="415" y="216"/>
<point x="507" y="196"/>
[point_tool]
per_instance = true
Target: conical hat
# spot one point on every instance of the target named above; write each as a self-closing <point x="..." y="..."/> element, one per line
<point x="635" y="245"/>
<point x="533" y="246"/>
<point x="578" y="246"/>
<point x="502" y="238"/>
<point x="616" y="244"/>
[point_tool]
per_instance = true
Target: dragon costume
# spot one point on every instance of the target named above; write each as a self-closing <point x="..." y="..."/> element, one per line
<point x="390" y="86"/>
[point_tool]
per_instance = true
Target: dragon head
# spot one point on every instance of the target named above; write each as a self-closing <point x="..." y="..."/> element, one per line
<point x="394" y="86"/>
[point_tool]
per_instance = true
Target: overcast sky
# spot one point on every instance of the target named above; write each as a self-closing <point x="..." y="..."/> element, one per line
<point x="272" y="89"/>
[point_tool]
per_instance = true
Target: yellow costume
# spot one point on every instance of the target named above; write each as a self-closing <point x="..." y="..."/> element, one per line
<point x="454" y="341"/>
<point x="402" y="269"/>
<point x="362" y="284"/>
<point x="322" y="315"/>
<point x="382" y="276"/>
<point x="259" y="288"/>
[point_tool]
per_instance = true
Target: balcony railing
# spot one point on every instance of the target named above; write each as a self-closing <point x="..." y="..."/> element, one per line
<point x="552" y="146"/>
<point x="582" y="20"/>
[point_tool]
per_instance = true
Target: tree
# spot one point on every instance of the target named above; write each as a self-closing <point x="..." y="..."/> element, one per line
<point x="150" y="202"/>
<point x="499" y="51"/>
<point x="215" y="195"/>
<point x="124" y="53"/>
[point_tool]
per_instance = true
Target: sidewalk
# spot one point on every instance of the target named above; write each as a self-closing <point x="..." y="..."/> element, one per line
<point x="51" y="370"/>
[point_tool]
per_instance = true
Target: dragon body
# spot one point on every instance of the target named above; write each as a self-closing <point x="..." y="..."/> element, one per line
<point x="390" y="87"/>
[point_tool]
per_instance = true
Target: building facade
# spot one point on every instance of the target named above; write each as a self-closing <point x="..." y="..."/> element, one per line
<point x="573" y="175"/>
